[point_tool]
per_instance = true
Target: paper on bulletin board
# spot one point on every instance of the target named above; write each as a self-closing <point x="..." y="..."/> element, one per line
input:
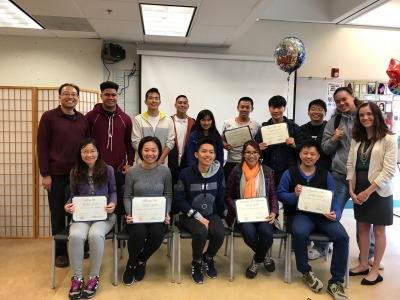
<point x="331" y="105"/>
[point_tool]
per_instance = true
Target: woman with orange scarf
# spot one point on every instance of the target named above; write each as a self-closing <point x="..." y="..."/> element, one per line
<point x="251" y="179"/>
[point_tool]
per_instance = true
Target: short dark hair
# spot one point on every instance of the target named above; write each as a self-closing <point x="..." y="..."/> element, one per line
<point x="277" y="101"/>
<point x="153" y="90"/>
<point x="205" y="140"/>
<point x="181" y="96"/>
<point x="109" y="85"/>
<point x="310" y="143"/>
<point x="246" y="99"/>
<point x="319" y="102"/>
<point x="68" y="84"/>
<point x="147" y="139"/>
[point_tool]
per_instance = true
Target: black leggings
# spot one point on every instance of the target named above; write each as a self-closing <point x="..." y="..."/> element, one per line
<point x="144" y="240"/>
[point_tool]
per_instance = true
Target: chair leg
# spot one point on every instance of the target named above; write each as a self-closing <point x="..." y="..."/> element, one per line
<point x="280" y="248"/>
<point x="232" y="256"/>
<point x="115" y="262"/>
<point x="179" y="259"/>
<point x="53" y="261"/>
<point x="226" y="244"/>
<point x="173" y="256"/>
<point x="288" y="263"/>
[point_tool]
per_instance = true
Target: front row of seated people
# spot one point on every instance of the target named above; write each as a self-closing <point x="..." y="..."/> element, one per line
<point x="200" y="195"/>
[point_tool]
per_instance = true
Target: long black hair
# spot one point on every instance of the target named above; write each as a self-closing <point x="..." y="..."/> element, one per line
<point x="213" y="132"/>
<point x="80" y="169"/>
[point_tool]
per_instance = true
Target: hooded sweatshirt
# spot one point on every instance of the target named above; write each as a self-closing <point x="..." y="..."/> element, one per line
<point x="113" y="132"/>
<point x="204" y="195"/>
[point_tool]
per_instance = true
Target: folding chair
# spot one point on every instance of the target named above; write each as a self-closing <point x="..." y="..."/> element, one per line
<point x="184" y="234"/>
<point x="123" y="235"/>
<point x="277" y="234"/>
<point x="63" y="237"/>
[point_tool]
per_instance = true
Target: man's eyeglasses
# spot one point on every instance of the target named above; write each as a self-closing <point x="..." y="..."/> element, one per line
<point x="248" y="153"/>
<point x="65" y="94"/>
<point x="91" y="152"/>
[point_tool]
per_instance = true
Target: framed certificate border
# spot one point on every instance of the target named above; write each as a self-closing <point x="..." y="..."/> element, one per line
<point x="148" y="209"/>
<point x="238" y="136"/>
<point x="315" y="200"/>
<point x="252" y="210"/>
<point x="275" y="134"/>
<point x="89" y="208"/>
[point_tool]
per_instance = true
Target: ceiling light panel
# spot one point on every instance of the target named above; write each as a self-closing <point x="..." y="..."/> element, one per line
<point x="12" y="16"/>
<point x="166" y="20"/>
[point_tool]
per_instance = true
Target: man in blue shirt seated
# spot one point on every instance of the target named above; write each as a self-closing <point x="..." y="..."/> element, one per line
<point x="303" y="223"/>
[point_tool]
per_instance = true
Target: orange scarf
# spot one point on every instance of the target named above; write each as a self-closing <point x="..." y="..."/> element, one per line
<point x="250" y="190"/>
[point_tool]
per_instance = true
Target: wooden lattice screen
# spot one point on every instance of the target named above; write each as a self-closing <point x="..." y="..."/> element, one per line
<point x="24" y="209"/>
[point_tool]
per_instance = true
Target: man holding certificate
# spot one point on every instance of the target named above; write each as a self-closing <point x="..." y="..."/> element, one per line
<point x="279" y="156"/>
<point x="236" y="131"/>
<point x="304" y="221"/>
<point x="252" y="180"/>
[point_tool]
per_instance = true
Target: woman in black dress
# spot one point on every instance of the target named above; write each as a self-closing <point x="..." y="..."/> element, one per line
<point x="371" y="165"/>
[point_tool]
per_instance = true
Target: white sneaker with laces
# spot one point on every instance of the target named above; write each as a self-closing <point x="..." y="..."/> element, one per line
<point x="371" y="262"/>
<point x="313" y="254"/>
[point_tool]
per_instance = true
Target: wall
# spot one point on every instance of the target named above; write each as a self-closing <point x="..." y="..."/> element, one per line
<point x="360" y="53"/>
<point x="35" y="61"/>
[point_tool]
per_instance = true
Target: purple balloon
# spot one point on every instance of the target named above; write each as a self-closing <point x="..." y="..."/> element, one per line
<point x="290" y="54"/>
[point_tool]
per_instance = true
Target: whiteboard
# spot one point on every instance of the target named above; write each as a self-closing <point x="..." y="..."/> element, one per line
<point x="215" y="84"/>
<point x="308" y="89"/>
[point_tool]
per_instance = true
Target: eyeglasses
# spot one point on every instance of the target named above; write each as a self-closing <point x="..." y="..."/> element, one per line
<point x="65" y="94"/>
<point x="91" y="152"/>
<point x="248" y="153"/>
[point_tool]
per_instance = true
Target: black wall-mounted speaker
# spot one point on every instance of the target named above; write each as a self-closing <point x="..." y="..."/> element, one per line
<point x="113" y="52"/>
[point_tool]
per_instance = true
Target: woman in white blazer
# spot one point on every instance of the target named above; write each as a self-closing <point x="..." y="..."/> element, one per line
<point x="371" y="165"/>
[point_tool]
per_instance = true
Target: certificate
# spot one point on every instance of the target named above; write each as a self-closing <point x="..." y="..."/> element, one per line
<point x="315" y="200"/>
<point x="252" y="210"/>
<point x="89" y="208"/>
<point x="238" y="136"/>
<point x="148" y="209"/>
<point x="275" y="134"/>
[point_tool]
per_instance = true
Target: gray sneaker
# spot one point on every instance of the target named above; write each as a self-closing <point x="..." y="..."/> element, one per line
<point x="337" y="291"/>
<point x="313" y="282"/>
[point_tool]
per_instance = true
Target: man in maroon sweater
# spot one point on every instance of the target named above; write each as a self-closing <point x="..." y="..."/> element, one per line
<point x="112" y="128"/>
<point x="59" y="134"/>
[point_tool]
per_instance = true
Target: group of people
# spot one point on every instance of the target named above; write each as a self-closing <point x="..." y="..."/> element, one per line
<point x="182" y="159"/>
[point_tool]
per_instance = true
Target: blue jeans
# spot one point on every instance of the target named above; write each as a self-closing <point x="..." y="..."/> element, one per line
<point x="303" y="225"/>
<point x="258" y="236"/>
<point x="342" y="189"/>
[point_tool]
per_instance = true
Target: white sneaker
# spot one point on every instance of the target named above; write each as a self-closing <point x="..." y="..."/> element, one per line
<point x="313" y="254"/>
<point x="371" y="262"/>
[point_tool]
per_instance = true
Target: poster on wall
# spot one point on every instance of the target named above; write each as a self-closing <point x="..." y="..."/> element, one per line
<point x="331" y="105"/>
